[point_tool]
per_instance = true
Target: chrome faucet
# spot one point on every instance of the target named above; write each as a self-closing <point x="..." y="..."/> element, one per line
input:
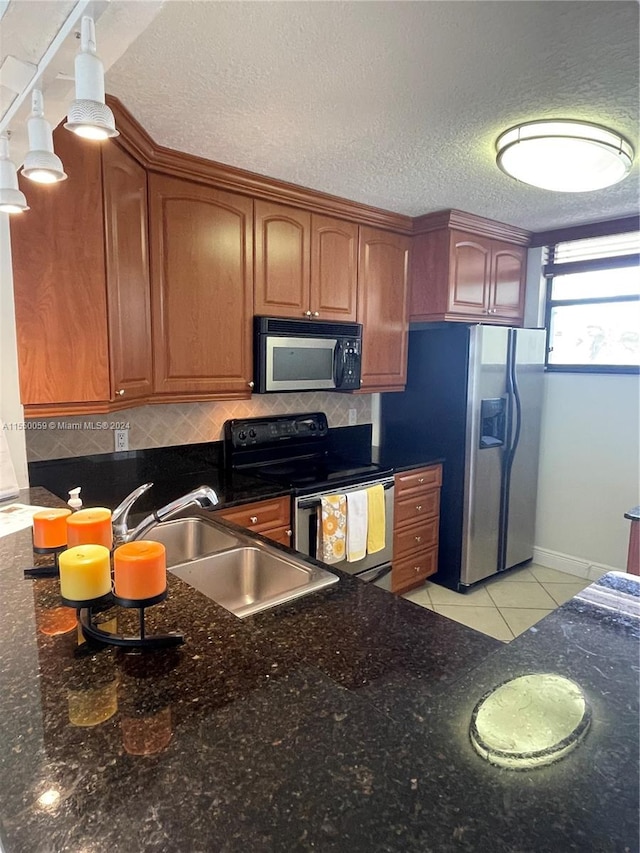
<point x="203" y="495"/>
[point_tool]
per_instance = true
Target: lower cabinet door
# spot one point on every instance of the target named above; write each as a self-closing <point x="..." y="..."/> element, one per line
<point x="280" y="534"/>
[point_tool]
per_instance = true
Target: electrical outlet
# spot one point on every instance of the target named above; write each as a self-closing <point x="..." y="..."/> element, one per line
<point x="120" y="439"/>
<point x="353" y="417"/>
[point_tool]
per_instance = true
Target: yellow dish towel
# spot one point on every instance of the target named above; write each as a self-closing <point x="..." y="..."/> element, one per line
<point x="376" y="532"/>
<point x="357" y="516"/>
<point x="332" y="528"/>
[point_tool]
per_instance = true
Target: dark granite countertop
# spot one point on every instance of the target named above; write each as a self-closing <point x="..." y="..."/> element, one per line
<point x="107" y="478"/>
<point x="335" y="723"/>
<point x="403" y="459"/>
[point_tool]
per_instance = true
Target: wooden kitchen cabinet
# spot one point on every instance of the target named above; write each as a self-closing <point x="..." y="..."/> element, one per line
<point x="382" y="309"/>
<point x="306" y="264"/>
<point x="415" y="528"/>
<point x="127" y="267"/>
<point x="201" y="284"/>
<point x="271" y="518"/>
<point x="81" y="284"/>
<point x="467" y="276"/>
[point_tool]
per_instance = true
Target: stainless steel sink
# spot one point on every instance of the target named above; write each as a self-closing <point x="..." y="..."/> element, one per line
<point x="249" y="579"/>
<point x="187" y="539"/>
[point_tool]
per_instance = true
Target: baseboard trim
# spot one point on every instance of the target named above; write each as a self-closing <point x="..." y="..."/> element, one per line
<point x="571" y="565"/>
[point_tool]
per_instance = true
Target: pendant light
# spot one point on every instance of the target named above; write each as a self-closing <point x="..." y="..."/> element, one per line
<point x="12" y="200"/>
<point x="564" y="155"/>
<point x="41" y="163"/>
<point x="88" y="115"/>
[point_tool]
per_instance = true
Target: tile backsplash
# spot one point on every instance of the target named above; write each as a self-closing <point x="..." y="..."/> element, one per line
<point x="180" y="423"/>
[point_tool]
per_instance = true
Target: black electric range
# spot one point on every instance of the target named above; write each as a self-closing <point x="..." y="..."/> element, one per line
<point x="295" y="451"/>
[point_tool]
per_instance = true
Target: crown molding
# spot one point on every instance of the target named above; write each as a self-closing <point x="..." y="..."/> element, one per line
<point x="472" y="224"/>
<point x="156" y="158"/>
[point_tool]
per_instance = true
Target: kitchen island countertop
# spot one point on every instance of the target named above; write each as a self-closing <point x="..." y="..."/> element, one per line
<point x="337" y="722"/>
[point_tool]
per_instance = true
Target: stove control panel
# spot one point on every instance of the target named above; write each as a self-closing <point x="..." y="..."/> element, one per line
<point x="253" y="432"/>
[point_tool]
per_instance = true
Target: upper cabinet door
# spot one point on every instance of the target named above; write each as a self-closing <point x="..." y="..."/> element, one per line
<point x="470" y="270"/>
<point x="508" y="281"/>
<point x="334" y="269"/>
<point x="202" y="282"/>
<point x="282" y="252"/>
<point x="127" y="266"/>
<point x="59" y="285"/>
<point x="382" y="308"/>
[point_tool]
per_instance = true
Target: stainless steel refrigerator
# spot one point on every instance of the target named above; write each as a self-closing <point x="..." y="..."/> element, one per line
<point x="474" y="397"/>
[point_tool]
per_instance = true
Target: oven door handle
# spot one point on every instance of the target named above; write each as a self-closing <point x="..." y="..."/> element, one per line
<point x="306" y="503"/>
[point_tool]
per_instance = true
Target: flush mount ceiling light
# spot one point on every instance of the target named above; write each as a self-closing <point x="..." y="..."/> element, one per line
<point x="41" y="163"/>
<point x="564" y="155"/>
<point x="88" y="115"/>
<point x="11" y="199"/>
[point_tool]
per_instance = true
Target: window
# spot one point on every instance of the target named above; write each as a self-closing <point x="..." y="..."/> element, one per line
<point x="593" y="304"/>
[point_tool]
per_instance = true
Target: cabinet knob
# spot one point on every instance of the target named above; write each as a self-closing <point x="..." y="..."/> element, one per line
<point x="416" y="569"/>
<point x="421" y="479"/>
<point x="316" y="313"/>
<point x="289" y="533"/>
<point x="418" y="538"/>
<point x="251" y="384"/>
<point x="307" y="313"/>
<point x="253" y="519"/>
<point x="419" y="508"/>
<point x="120" y="392"/>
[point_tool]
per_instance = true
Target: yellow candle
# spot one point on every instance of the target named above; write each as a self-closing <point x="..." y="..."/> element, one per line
<point x="85" y="572"/>
<point x="139" y="570"/>
<point x="50" y="528"/>
<point x="90" y="527"/>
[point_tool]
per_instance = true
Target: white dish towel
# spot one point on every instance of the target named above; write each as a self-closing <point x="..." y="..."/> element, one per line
<point x="8" y="481"/>
<point x="357" y="525"/>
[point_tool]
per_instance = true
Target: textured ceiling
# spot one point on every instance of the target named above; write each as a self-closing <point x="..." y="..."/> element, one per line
<point x="395" y="104"/>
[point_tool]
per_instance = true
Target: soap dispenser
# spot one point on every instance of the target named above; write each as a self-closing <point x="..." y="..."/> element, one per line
<point x="75" y="501"/>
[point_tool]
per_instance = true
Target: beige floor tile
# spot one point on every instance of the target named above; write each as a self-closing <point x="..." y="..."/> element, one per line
<point x="561" y="592"/>
<point x="477" y="597"/>
<point x="520" y="619"/>
<point x="545" y="575"/>
<point x="517" y="594"/>
<point x="487" y="620"/>
<point x="419" y="596"/>
<point x="523" y="574"/>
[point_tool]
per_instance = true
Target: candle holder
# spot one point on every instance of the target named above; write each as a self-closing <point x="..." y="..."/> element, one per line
<point x="50" y="570"/>
<point x="142" y="640"/>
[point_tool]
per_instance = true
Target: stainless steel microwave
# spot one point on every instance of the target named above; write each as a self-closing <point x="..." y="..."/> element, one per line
<point x="306" y="355"/>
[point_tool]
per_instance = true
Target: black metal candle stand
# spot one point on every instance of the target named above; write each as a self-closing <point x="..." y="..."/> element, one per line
<point x="142" y="640"/>
<point x="50" y="570"/>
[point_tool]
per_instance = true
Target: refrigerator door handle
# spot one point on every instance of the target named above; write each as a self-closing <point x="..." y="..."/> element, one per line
<point x="514" y="421"/>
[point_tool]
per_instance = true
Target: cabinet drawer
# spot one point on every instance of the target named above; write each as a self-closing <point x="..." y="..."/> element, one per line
<point x="416" y="538"/>
<point x="420" y="478"/>
<point x="264" y="515"/>
<point x="412" y="571"/>
<point x="424" y="503"/>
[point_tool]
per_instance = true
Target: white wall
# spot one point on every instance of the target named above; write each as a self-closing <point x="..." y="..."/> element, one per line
<point x="10" y="407"/>
<point x="589" y="468"/>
